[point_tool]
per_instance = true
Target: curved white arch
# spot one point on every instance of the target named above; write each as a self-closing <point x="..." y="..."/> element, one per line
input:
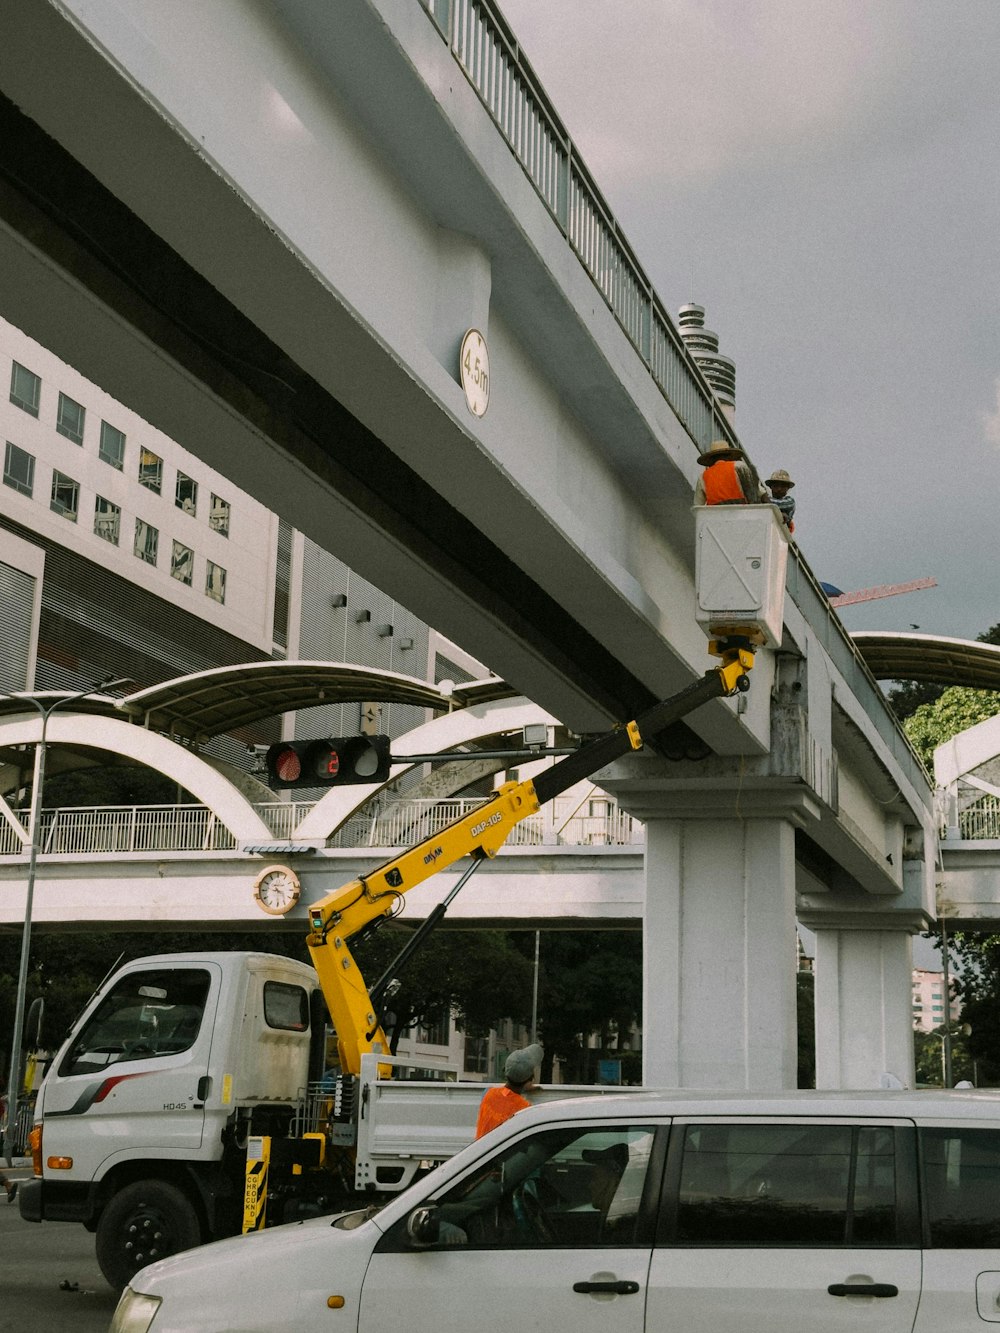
<point x="174" y="761"/>
<point x="442" y="733"/>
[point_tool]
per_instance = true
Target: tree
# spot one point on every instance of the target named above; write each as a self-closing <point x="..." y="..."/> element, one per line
<point x="590" y="982"/>
<point x="906" y="696"/>
<point x="928" y="1049"/>
<point x="955" y="710"/>
<point x="478" y="974"/>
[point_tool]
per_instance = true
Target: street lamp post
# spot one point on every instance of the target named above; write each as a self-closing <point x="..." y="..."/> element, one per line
<point x="38" y="779"/>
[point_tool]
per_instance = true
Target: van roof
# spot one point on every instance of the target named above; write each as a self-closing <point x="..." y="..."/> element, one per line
<point x="907" y="1103"/>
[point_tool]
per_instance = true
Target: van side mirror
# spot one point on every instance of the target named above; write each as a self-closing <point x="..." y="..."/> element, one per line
<point x="423" y="1226"/>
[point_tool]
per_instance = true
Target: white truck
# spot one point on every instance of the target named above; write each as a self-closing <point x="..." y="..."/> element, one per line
<point x="188" y="1101"/>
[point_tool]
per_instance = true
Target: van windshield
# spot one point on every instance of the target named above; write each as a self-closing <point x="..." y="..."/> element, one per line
<point x="145" y="1015"/>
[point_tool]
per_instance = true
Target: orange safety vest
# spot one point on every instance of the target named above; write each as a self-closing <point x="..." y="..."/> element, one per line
<point x="498" y="1105"/>
<point x="722" y="485"/>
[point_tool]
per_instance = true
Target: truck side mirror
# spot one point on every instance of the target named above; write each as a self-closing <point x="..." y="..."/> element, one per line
<point x="423" y="1226"/>
<point x="33" y="1025"/>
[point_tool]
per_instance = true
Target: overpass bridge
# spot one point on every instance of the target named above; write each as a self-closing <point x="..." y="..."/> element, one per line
<point x="268" y="230"/>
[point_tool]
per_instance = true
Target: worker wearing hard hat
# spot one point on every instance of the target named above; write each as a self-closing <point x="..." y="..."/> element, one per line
<point x="728" y="478"/>
<point x="779" y="484"/>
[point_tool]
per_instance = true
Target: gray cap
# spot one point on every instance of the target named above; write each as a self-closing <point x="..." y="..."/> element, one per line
<point x="522" y="1064"/>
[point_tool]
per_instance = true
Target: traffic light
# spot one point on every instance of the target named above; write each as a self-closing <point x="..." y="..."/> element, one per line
<point x="329" y="763"/>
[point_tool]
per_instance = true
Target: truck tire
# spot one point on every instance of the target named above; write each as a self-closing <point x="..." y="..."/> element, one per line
<point x="143" y="1222"/>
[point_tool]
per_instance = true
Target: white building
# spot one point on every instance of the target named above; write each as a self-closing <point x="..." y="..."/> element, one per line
<point x="930" y="1008"/>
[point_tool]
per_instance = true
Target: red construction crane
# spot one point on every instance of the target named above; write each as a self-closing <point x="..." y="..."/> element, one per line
<point x="838" y="598"/>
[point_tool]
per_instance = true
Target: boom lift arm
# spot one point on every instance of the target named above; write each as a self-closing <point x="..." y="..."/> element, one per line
<point x="359" y="905"/>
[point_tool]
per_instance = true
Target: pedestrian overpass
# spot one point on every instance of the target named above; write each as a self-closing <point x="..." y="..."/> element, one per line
<point x="269" y="229"/>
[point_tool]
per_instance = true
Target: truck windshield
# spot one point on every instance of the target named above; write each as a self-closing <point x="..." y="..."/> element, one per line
<point x="145" y="1015"/>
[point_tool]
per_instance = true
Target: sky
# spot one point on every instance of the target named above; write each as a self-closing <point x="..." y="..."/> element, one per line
<point x="823" y="177"/>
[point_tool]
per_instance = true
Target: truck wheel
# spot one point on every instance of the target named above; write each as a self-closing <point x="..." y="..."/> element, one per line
<point x="144" y="1222"/>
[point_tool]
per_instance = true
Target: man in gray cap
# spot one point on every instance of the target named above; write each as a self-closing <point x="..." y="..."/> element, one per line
<point x="500" y="1103"/>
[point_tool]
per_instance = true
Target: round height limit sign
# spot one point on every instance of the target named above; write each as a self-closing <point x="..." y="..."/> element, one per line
<point x="474" y="366"/>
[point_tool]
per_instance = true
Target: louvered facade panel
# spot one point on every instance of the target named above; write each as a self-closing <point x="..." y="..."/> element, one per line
<point x="17" y="594"/>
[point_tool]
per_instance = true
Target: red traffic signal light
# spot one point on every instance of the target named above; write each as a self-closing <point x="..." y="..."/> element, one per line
<point x="334" y="762"/>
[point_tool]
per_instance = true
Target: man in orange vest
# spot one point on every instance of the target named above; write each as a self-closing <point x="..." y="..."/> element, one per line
<point x="728" y="478"/>
<point x="499" y="1104"/>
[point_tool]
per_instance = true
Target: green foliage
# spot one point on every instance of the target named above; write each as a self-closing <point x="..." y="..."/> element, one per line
<point x="957" y="709"/>
<point x="478" y="973"/>
<point x="928" y="1051"/>
<point x="906" y="696"/>
<point x="590" y="981"/>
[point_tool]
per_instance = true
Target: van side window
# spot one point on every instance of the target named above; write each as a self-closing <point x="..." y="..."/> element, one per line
<point x="961" y="1175"/>
<point x="579" y="1187"/>
<point x="146" y="1015"/>
<point x="783" y="1185"/>
<point x="286" y="1006"/>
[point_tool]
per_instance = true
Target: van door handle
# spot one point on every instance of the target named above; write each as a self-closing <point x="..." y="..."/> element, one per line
<point x="616" y="1288"/>
<point x="862" y="1289"/>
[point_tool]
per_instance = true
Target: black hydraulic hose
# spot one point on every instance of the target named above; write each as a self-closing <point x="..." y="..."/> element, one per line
<point x="604" y="750"/>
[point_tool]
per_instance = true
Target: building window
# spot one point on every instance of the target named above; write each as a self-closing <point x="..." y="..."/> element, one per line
<point x="107" y="520"/>
<point x="69" y="419"/>
<point x="112" y="448"/>
<point x="146" y="541"/>
<point x="435" y="1030"/>
<point x="215" y="582"/>
<point x="186" y="495"/>
<point x="65" y="496"/>
<point x="182" y="563"/>
<point x="25" y="389"/>
<point x="477" y="1055"/>
<point x="18" y="469"/>
<point x="219" y="517"/>
<point x="150" y="470"/>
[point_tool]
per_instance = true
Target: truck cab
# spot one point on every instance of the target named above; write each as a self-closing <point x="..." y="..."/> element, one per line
<point x="175" y="1061"/>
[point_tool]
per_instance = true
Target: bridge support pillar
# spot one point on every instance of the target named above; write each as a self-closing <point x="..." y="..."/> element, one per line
<point x="719" y="1004"/>
<point x="864" y="1010"/>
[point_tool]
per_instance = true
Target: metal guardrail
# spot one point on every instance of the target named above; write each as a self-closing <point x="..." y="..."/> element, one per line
<point x="97" y="830"/>
<point x="24" y="1119"/>
<point x="92" y="830"/>
<point x="406" y="822"/>
<point x="982" y="820"/>
<point x="488" y="53"/>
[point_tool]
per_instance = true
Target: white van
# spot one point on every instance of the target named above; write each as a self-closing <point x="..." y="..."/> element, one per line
<point x="656" y="1211"/>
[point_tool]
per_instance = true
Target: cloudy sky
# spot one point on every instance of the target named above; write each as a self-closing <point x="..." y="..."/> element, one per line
<point x="824" y="177"/>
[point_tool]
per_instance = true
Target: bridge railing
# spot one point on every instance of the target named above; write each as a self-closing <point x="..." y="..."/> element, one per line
<point x="90" y="830"/>
<point x="980" y="821"/>
<point x="488" y="53"/>
<point x="406" y="822"/>
<point x="97" y="830"/>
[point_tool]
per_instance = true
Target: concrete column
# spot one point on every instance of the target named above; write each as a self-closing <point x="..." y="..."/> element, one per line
<point x="719" y="968"/>
<point x="864" y="1004"/>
